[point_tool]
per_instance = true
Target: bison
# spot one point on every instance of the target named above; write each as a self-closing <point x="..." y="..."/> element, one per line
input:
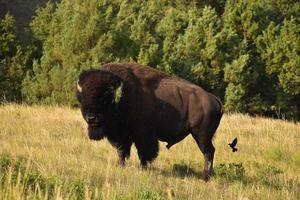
<point x="132" y="103"/>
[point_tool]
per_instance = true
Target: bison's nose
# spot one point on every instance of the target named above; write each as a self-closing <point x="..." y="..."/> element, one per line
<point x="90" y="118"/>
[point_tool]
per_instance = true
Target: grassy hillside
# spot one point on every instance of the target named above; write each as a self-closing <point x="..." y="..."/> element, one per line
<point x="45" y="153"/>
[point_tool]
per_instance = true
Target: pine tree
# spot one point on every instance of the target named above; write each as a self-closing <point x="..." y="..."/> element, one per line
<point x="13" y="60"/>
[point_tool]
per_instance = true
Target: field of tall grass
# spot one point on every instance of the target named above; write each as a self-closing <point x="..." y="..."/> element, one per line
<point x="45" y="154"/>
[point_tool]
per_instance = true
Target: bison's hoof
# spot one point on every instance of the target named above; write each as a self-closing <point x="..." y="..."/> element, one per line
<point x="207" y="175"/>
<point x="144" y="166"/>
<point x="206" y="178"/>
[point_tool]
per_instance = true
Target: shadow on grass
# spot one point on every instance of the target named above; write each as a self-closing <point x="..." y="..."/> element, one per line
<point x="179" y="170"/>
<point x="225" y="172"/>
<point x="183" y="170"/>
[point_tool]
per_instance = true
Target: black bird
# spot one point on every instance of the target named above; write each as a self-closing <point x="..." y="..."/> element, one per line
<point x="233" y="144"/>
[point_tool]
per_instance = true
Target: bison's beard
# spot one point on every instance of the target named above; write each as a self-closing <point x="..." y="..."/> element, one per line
<point x="95" y="132"/>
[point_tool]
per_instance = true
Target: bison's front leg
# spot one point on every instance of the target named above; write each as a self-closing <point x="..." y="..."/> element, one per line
<point x="147" y="148"/>
<point x="124" y="152"/>
<point x="122" y="157"/>
<point x="123" y="148"/>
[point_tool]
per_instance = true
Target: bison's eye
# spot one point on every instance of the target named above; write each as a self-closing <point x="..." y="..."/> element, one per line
<point x="106" y="97"/>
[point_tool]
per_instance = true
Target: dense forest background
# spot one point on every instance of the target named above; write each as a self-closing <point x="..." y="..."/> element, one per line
<point x="245" y="52"/>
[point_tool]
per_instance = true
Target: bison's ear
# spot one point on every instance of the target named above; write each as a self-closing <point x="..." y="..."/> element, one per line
<point x="118" y="93"/>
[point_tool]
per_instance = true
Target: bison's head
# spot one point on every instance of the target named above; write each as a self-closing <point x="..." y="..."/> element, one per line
<point x="99" y="93"/>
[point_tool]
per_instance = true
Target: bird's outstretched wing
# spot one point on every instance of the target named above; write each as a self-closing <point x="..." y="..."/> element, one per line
<point x="233" y="144"/>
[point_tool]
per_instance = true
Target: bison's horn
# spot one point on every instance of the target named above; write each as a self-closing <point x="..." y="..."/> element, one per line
<point x="79" y="88"/>
<point x="118" y="93"/>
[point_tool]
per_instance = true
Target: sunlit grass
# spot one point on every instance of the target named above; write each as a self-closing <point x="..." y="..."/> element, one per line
<point x="53" y="141"/>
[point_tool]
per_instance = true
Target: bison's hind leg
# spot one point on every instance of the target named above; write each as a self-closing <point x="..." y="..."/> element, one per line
<point x="203" y="136"/>
<point x="147" y="150"/>
<point x="208" y="150"/>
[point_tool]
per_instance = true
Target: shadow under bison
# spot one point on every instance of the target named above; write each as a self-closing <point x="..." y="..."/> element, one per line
<point x="132" y="103"/>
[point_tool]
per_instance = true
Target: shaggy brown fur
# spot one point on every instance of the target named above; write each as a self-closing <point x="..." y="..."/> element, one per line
<point x="152" y="106"/>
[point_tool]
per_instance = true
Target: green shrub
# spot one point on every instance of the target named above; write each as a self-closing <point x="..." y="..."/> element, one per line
<point x="231" y="171"/>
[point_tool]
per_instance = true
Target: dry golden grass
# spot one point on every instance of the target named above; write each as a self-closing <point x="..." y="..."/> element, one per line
<point x="54" y="140"/>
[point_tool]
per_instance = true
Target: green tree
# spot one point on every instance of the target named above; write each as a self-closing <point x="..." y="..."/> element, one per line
<point x="245" y="74"/>
<point x="279" y="47"/>
<point x="75" y="36"/>
<point x="246" y="52"/>
<point x="13" y="60"/>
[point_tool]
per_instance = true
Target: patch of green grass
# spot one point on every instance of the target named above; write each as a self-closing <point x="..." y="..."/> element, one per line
<point x="231" y="171"/>
<point x="150" y="195"/>
<point x="269" y="170"/>
<point x="275" y="153"/>
<point x="18" y="171"/>
<point x="269" y="176"/>
<point x="296" y="158"/>
<point x="273" y="177"/>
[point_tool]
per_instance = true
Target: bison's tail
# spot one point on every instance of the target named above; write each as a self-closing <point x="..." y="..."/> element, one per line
<point x="217" y="118"/>
<point x="221" y="108"/>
